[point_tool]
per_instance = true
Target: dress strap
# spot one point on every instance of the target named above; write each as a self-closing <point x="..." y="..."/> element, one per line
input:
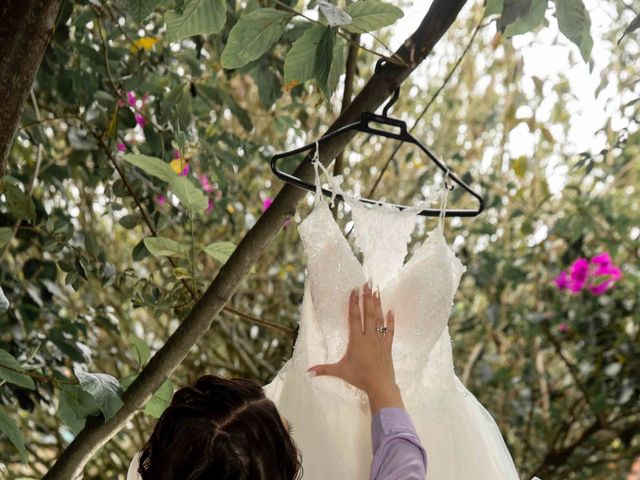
<point x="334" y="181"/>
<point x="443" y="201"/>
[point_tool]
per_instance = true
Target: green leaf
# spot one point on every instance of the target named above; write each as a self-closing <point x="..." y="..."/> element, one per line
<point x="191" y="197"/>
<point x="370" y="15"/>
<point x="299" y="64"/>
<point x="11" y="430"/>
<point x="528" y="19"/>
<point x="74" y="406"/>
<point x="129" y="221"/>
<point x="141" y="9"/>
<point x="160" y="246"/>
<point x="221" y="251"/>
<point x="199" y="17"/>
<point x="520" y="166"/>
<point x="20" y="204"/>
<point x="5" y="235"/>
<point x="160" y="400"/>
<point x="324" y="57"/>
<point x="493" y="6"/>
<point x="139" y="351"/>
<point x="575" y="24"/>
<point x="104" y="389"/>
<point x="253" y="35"/>
<point x="337" y="64"/>
<point x="10" y="370"/>
<point x="633" y="26"/>
<point x="153" y="166"/>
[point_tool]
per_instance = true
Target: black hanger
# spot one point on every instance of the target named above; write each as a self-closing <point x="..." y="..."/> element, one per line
<point x="404" y="136"/>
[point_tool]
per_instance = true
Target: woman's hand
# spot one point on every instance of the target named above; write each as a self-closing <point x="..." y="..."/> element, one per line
<point x="367" y="364"/>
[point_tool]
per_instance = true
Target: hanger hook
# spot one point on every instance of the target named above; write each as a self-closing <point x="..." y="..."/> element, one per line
<point x="394" y="97"/>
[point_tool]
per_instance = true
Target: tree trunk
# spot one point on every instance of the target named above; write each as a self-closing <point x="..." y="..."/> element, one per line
<point x="389" y="77"/>
<point x="25" y="29"/>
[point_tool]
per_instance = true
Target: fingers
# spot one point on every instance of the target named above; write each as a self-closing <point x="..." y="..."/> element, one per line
<point x="355" y="317"/>
<point x="378" y="315"/>
<point x="327" y="369"/>
<point x="369" y="309"/>
<point x="391" y="325"/>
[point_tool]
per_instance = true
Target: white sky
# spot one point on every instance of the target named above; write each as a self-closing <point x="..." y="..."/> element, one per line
<point x="546" y="55"/>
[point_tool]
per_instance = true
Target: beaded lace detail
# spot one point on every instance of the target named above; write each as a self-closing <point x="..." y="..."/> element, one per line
<point x="420" y="291"/>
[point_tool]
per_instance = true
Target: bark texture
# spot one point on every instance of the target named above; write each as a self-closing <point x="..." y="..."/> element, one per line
<point x="25" y="29"/>
<point x="439" y="18"/>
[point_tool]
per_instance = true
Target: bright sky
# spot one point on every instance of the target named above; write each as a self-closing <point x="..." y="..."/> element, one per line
<point x="546" y="55"/>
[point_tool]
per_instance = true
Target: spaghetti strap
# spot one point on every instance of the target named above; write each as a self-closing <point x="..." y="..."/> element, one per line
<point x="315" y="160"/>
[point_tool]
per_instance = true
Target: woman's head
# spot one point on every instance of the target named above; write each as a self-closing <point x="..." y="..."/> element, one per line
<point x="220" y="429"/>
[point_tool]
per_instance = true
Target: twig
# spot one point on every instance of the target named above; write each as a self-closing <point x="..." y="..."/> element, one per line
<point x="106" y="53"/>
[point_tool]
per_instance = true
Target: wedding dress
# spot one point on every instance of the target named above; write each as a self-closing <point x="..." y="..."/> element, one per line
<point x="332" y="418"/>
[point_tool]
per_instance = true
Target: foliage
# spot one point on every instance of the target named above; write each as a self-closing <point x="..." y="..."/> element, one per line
<point x="144" y="160"/>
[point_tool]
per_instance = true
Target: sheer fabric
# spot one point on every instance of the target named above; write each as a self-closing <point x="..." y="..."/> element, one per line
<point x="332" y="419"/>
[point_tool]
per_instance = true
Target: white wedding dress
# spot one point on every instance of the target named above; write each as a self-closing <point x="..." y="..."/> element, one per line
<point x="332" y="418"/>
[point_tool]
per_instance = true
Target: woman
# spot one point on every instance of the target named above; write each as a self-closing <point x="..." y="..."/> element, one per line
<point x="228" y="429"/>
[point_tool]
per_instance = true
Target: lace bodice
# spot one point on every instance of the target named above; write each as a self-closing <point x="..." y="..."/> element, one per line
<point x="420" y="291"/>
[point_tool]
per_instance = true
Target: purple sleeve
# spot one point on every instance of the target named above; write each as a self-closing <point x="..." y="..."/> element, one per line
<point x="397" y="451"/>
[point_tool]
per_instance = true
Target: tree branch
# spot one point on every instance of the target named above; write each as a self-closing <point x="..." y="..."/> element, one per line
<point x="25" y="30"/>
<point x="414" y="50"/>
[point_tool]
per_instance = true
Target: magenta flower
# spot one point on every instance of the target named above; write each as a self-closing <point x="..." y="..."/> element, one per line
<point x="597" y="275"/>
<point x="176" y="153"/>
<point x="160" y="199"/>
<point x="266" y="203"/>
<point x="122" y="147"/>
<point x="563" y="327"/>
<point x="139" y="120"/>
<point x="204" y="182"/>
<point x="131" y="98"/>
<point x="209" y="208"/>
<point x="185" y="171"/>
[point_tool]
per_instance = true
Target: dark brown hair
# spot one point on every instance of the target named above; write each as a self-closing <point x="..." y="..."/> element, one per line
<point x="220" y="429"/>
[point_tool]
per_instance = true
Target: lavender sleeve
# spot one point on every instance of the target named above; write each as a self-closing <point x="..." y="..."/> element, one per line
<point x="397" y="451"/>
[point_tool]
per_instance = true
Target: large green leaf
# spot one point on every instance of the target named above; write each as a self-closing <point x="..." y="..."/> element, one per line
<point x="153" y="166"/>
<point x="253" y="35"/>
<point x="74" y="406"/>
<point x="324" y="56"/>
<point x="139" y="351"/>
<point x="528" y="20"/>
<point x="299" y="64"/>
<point x="19" y="203"/>
<point x="191" y="197"/>
<point x="575" y="24"/>
<point x="199" y="17"/>
<point x="337" y="65"/>
<point x="141" y="9"/>
<point x="160" y="400"/>
<point x="10" y="370"/>
<point x="493" y="6"/>
<point x="371" y="15"/>
<point x="104" y="389"/>
<point x="221" y="251"/>
<point x="11" y="430"/>
<point x="165" y="247"/>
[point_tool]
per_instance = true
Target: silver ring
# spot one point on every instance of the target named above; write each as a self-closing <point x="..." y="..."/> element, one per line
<point x="382" y="330"/>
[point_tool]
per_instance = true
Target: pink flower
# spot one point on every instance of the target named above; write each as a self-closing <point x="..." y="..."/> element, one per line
<point x="266" y="203"/>
<point x="204" y="182"/>
<point x="185" y="171"/>
<point x="139" y="120"/>
<point x="160" y="199"/>
<point x="122" y="147"/>
<point x="579" y="273"/>
<point x="131" y="98"/>
<point x="563" y="327"/>
<point x="562" y="282"/>
<point x="209" y="208"/>
<point x="176" y="153"/>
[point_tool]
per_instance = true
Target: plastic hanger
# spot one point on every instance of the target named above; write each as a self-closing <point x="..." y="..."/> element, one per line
<point x="401" y="134"/>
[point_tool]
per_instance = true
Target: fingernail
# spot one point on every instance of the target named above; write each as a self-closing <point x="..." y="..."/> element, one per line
<point x="311" y="373"/>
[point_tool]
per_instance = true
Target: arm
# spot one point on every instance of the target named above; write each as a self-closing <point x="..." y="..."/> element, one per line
<point x="397" y="451"/>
